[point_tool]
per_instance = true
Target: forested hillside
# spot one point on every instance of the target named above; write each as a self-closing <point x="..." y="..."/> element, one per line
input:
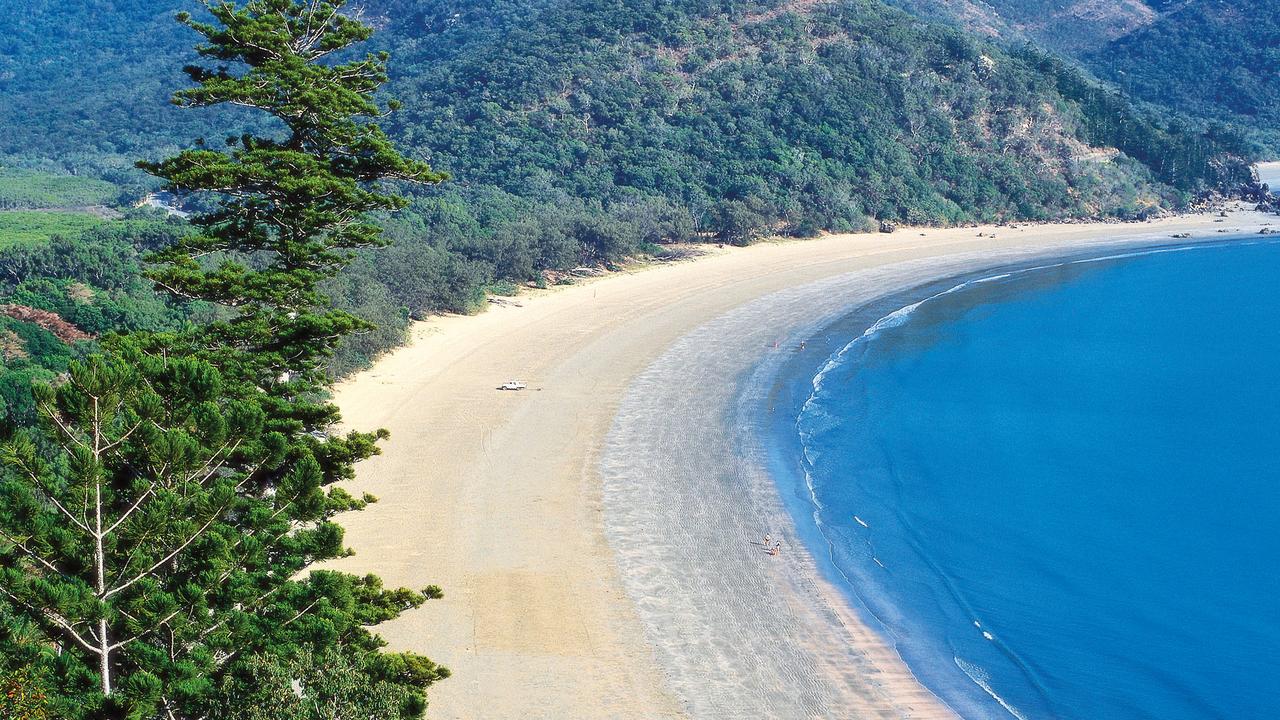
<point x="1214" y="60"/>
<point x="1209" y="57"/>
<point x="67" y="280"/>
<point x="803" y="115"/>
<point x="526" y="81"/>
<point x="87" y="83"/>
<point x="1064" y="25"/>
<point x="586" y="132"/>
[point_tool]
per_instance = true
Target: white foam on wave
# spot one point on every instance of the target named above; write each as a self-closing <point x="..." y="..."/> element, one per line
<point x="982" y="679"/>
<point x="1126" y="255"/>
<point x="994" y="278"/>
<point x="892" y="320"/>
<point x="813" y="420"/>
<point x="897" y="318"/>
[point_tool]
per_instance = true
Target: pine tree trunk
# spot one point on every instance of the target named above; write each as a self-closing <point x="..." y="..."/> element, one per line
<point x="104" y="645"/>
<point x="104" y="661"/>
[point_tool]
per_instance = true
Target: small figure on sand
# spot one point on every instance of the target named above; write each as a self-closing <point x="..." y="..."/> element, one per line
<point x="777" y="548"/>
<point x="767" y="539"/>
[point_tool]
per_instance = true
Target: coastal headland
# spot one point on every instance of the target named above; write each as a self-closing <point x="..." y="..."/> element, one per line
<point x="597" y="533"/>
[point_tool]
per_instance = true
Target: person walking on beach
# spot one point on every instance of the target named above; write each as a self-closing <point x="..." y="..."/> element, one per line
<point x="767" y="540"/>
<point x="777" y="548"/>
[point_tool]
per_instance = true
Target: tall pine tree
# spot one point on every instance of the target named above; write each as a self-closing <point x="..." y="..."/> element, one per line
<point x="157" y="526"/>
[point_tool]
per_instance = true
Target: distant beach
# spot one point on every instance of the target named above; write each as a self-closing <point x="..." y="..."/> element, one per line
<point x="1269" y="174"/>
<point x="599" y="534"/>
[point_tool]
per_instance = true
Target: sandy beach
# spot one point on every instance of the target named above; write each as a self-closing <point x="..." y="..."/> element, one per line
<point x="595" y="533"/>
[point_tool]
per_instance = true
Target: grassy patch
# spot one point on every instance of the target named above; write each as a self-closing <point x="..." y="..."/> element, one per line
<point x="26" y="227"/>
<point x="33" y="190"/>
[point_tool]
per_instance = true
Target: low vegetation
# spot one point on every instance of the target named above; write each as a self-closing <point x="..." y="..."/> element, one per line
<point x="29" y="227"/>
<point x="33" y="190"/>
<point x="92" y="279"/>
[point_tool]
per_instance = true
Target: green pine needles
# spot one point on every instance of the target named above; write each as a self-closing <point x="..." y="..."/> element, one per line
<point x="158" y="525"/>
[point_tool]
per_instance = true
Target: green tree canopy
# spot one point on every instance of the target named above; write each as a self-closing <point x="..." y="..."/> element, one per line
<point x="159" y="524"/>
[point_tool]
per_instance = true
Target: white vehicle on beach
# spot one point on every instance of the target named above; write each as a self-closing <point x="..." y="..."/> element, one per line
<point x="512" y="385"/>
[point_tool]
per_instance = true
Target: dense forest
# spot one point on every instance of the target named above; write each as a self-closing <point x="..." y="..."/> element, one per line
<point x="583" y="133"/>
<point x="1210" y="58"/>
<point x="1214" y="60"/>
<point x="1072" y="27"/>
<point x="84" y="86"/>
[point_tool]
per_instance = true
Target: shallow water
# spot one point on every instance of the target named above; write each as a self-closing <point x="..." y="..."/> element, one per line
<point x="1059" y="489"/>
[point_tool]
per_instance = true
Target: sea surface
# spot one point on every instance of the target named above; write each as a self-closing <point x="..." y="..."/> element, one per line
<point x="1057" y="489"/>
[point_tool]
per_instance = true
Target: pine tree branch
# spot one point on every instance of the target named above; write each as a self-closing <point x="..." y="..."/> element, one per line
<point x="191" y="644"/>
<point x="54" y="618"/>
<point x="120" y="588"/>
<point x="127" y="513"/>
<point x="30" y="553"/>
<point x="248" y="475"/>
<point x="209" y="470"/>
<point x="231" y="33"/>
<point x="35" y="479"/>
<point x="169" y="714"/>
<point x="240" y="565"/>
<point x="312" y="35"/>
<point x="120" y="440"/>
<point x="245" y="607"/>
<point x="52" y="414"/>
<point x="138" y="546"/>
<point x="146" y="632"/>
<point x="300" y="613"/>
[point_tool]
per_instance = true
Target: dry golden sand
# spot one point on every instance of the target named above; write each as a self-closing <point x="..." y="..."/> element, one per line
<point x="502" y="499"/>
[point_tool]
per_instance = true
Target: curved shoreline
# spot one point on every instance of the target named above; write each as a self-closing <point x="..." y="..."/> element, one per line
<point x="688" y="479"/>
<point x="794" y="384"/>
<point x="799" y="381"/>
<point x="558" y="606"/>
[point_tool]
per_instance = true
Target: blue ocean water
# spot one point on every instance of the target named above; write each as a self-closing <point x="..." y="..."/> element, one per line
<point x="1059" y="489"/>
